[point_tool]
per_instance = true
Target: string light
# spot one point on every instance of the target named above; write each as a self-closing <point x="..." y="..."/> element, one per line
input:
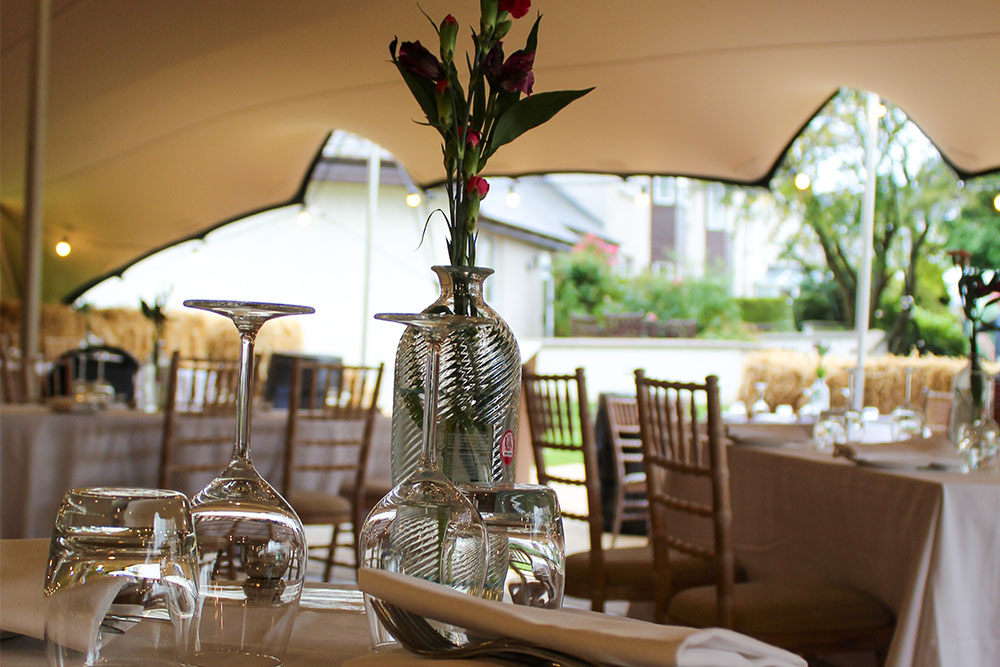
<point x="513" y="199"/>
<point x="304" y="218"/>
<point x="643" y="198"/>
<point x="63" y="248"/>
<point x="413" y="199"/>
<point x="996" y="202"/>
<point x="802" y="181"/>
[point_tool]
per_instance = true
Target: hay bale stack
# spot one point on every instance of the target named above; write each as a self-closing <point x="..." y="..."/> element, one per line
<point x="194" y="333"/>
<point x="789" y="373"/>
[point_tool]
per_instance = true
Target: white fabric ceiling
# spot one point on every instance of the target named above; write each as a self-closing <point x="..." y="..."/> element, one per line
<point x="167" y="117"/>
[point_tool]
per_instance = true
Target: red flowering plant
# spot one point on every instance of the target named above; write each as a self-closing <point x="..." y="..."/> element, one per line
<point x="495" y="107"/>
<point x="978" y="293"/>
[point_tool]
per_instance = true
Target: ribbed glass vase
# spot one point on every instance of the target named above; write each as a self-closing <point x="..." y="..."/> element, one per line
<point x="480" y="389"/>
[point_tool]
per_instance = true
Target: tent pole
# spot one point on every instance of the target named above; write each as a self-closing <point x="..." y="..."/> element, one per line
<point x="34" y="177"/>
<point x="374" y="173"/>
<point x="863" y="300"/>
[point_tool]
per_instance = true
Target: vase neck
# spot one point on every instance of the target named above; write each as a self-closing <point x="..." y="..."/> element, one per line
<point x="462" y="288"/>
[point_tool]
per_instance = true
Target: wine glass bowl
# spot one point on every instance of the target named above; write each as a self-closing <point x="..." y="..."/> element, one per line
<point x="251" y="544"/>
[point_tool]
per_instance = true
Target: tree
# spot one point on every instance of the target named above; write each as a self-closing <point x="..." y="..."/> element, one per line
<point x="915" y="192"/>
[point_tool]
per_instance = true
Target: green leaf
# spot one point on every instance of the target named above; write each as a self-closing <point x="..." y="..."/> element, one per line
<point x="529" y="113"/>
<point x="532" y="42"/>
<point x="423" y="92"/>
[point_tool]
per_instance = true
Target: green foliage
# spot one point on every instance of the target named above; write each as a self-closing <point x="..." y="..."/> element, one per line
<point x="976" y="228"/>
<point x="772" y="311"/>
<point x="818" y="300"/>
<point x="939" y="333"/>
<point x="584" y="284"/>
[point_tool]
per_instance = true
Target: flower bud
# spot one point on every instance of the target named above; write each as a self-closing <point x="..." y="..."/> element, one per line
<point x="449" y="33"/>
<point x="488" y="17"/>
<point x="442" y="95"/>
<point x="470" y="165"/>
<point x="502" y="28"/>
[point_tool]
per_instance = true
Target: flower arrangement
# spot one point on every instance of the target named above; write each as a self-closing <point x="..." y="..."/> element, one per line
<point x="492" y="109"/>
<point x="155" y="314"/>
<point x="977" y="295"/>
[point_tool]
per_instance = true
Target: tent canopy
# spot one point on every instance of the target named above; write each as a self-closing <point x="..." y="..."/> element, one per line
<point x="168" y="117"/>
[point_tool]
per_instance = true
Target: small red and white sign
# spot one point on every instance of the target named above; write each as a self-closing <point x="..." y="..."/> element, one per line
<point x="507" y="447"/>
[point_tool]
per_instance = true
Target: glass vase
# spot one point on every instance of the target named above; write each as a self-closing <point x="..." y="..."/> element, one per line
<point x="479" y="390"/>
<point x="976" y="434"/>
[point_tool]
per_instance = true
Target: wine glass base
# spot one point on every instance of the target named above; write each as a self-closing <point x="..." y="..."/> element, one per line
<point x="222" y="658"/>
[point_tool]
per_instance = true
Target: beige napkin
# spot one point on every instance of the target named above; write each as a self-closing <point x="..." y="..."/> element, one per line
<point x="934" y="452"/>
<point x="603" y="638"/>
<point x="769" y="434"/>
<point x="23" y="604"/>
<point x="22" y="583"/>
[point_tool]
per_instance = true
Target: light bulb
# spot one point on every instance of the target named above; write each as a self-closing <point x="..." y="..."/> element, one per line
<point x="996" y="202"/>
<point x="802" y="181"/>
<point x="642" y="199"/>
<point x="63" y="248"/>
<point x="513" y="199"/>
<point x="304" y="218"/>
<point x="413" y="199"/>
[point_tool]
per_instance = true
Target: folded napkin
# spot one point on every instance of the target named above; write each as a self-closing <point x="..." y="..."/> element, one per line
<point x="935" y="452"/>
<point x="24" y="605"/>
<point x="22" y="583"/>
<point x="602" y="638"/>
<point x="768" y="434"/>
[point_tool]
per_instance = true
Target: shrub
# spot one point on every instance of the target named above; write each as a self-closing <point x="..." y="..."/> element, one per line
<point x="773" y="312"/>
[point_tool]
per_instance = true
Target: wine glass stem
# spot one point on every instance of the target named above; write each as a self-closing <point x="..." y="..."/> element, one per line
<point x="244" y="392"/>
<point x="428" y="453"/>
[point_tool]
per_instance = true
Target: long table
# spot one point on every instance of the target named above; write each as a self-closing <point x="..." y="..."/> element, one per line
<point x="925" y="543"/>
<point x="45" y="453"/>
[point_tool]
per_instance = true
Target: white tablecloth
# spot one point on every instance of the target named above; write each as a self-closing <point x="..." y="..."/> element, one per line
<point x="925" y="543"/>
<point x="43" y="454"/>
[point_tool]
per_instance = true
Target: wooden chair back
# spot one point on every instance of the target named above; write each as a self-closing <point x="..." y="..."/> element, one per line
<point x="623" y="428"/>
<point x="687" y="477"/>
<point x="49" y="378"/>
<point x="332" y="406"/>
<point x="559" y="420"/>
<point x="937" y="410"/>
<point x="197" y="388"/>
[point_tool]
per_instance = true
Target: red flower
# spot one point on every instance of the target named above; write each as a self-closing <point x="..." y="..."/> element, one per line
<point x="493" y="62"/>
<point x="478" y="186"/>
<point x="418" y="61"/>
<point x="517" y="8"/>
<point x="473" y="138"/>
<point x="516" y="74"/>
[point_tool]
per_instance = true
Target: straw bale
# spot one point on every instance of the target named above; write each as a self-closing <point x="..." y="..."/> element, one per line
<point x="194" y="333"/>
<point x="788" y="373"/>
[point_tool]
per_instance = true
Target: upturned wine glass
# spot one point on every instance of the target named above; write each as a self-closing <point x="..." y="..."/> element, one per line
<point x="425" y="527"/>
<point x="906" y="420"/>
<point x="251" y="544"/>
<point x="760" y="406"/>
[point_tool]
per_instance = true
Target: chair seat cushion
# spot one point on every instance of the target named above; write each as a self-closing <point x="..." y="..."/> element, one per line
<point x="630" y="572"/>
<point x="315" y="506"/>
<point x="761" y="609"/>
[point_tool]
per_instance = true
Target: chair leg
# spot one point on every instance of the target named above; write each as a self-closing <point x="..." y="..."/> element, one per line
<point x="616" y="527"/>
<point x="330" y="553"/>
